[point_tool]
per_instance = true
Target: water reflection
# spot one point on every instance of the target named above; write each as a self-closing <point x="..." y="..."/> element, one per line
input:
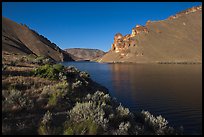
<point x="181" y="82"/>
<point x="174" y="91"/>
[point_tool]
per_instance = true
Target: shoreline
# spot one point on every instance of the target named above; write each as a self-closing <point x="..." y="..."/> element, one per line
<point x="121" y="62"/>
<point x="188" y="63"/>
<point x="57" y="97"/>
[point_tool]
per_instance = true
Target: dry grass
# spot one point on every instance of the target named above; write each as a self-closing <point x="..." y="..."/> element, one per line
<point x="32" y="84"/>
<point x="18" y="76"/>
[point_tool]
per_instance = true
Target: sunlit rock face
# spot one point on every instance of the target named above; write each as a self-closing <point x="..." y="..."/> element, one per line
<point x="138" y="29"/>
<point x="121" y="43"/>
<point x="118" y="42"/>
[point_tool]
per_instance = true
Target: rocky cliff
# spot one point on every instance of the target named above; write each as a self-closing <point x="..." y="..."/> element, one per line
<point x="19" y="38"/>
<point x="173" y="40"/>
<point x="85" y="54"/>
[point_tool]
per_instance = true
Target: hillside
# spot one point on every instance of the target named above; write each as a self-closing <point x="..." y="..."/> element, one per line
<point x="18" y="38"/>
<point x="177" y="39"/>
<point x="85" y="54"/>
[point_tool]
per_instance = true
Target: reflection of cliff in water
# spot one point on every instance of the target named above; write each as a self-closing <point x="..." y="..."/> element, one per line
<point x="181" y="83"/>
<point x="174" y="91"/>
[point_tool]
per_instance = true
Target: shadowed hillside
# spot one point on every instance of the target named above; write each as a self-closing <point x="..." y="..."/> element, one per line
<point x="177" y="39"/>
<point x="20" y="39"/>
<point x="85" y="54"/>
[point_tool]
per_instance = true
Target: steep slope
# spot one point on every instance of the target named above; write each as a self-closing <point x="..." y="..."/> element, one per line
<point x="85" y="54"/>
<point x="18" y="38"/>
<point x="176" y="39"/>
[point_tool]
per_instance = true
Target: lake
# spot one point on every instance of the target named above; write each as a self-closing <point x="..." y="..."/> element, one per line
<point x="171" y="90"/>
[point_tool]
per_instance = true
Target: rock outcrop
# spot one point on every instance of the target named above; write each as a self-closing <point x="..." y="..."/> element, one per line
<point x="19" y="38"/>
<point x="175" y="39"/>
<point x="138" y="29"/>
<point x="121" y="43"/>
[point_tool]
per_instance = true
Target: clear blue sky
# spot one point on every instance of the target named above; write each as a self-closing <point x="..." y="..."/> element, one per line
<point x="88" y="24"/>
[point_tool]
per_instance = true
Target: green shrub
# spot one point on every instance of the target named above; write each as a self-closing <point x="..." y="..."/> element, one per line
<point x="59" y="72"/>
<point x="16" y="100"/>
<point x="40" y="60"/>
<point x="68" y="131"/>
<point x="71" y="72"/>
<point x="45" y="124"/>
<point x="77" y="84"/>
<point x="56" y="94"/>
<point x="157" y="125"/>
<point x="99" y="114"/>
<point x="84" y="75"/>
<point x="61" y="87"/>
<point x="85" y="118"/>
<point x="86" y="127"/>
<point x="122" y="129"/>
<point x="53" y="99"/>
<point x="58" y="67"/>
<point x="123" y="111"/>
<point x="13" y="63"/>
<point x="48" y="71"/>
<point x="30" y="58"/>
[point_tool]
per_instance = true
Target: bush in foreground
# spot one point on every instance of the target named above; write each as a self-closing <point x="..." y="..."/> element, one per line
<point x="15" y="100"/>
<point x="99" y="114"/>
<point x="49" y="71"/>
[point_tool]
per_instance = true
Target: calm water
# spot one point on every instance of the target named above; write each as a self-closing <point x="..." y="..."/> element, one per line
<point x="173" y="91"/>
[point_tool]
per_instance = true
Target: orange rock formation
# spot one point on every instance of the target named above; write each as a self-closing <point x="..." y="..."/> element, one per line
<point x="121" y="43"/>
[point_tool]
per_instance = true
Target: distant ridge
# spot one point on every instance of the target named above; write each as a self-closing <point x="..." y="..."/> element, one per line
<point x="85" y="53"/>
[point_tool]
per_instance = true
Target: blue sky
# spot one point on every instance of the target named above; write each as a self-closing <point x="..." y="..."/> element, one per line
<point x="88" y="24"/>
